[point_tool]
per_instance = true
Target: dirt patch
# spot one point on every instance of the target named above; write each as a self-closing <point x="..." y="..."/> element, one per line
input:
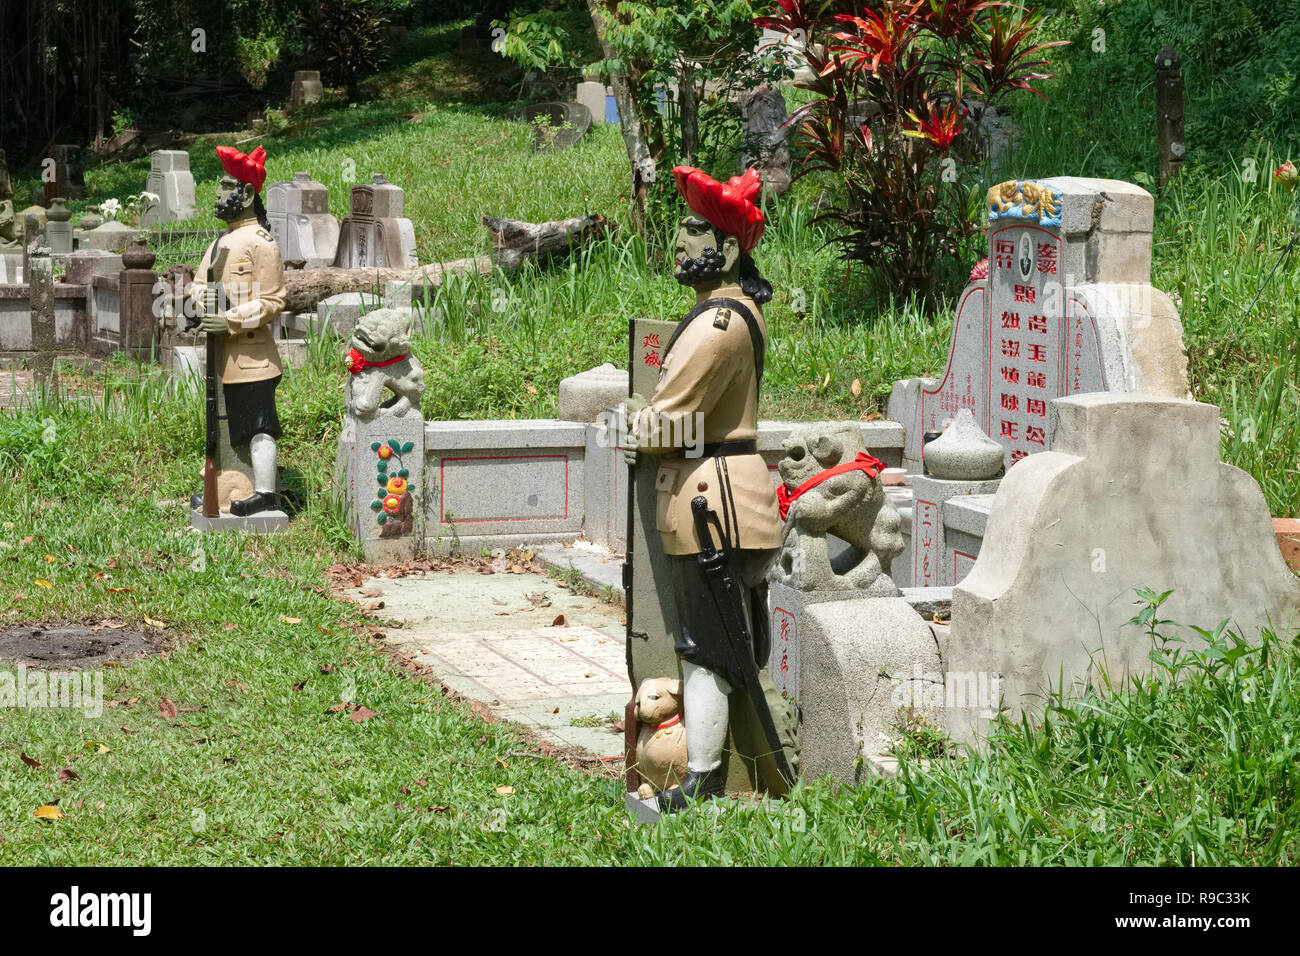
<point x="71" y="647"/>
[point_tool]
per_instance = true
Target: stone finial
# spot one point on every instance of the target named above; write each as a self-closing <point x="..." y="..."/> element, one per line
<point x="963" y="452"/>
<point x="851" y="506"/>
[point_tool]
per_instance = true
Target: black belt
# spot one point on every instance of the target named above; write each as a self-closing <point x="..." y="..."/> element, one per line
<point x="719" y="449"/>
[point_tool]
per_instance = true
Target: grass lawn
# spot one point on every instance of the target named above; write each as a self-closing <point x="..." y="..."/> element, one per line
<point x="1197" y="773"/>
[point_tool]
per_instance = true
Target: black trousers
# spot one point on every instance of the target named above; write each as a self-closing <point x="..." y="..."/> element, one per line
<point x="250" y="410"/>
<point x="701" y="636"/>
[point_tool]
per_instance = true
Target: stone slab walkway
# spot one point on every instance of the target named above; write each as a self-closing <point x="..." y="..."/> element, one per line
<point x="494" y="638"/>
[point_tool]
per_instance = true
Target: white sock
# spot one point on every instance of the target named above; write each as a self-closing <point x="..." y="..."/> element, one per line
<point x="704" y="700"/>
<point x="262" y="449"/>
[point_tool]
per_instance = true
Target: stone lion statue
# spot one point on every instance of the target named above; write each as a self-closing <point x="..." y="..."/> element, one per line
<point x="852" y="507"/>
<point x="380" y="361"/>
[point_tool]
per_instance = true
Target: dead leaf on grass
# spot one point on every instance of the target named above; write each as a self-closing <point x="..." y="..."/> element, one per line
<point x="49" y="812"/>
<point x="361" y="715"/>
<point x="31" y="761"/>
<point x="66" y="775"/>
<point x="166" y="708"/>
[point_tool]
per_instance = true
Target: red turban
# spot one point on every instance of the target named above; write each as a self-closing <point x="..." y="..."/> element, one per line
<point x="247" y="169"/>
<point x="731" y="207"/>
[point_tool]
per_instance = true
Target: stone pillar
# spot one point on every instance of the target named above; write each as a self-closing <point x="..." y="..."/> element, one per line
<point x="40" y="284"/>
<point x="1169" y="114"/>
<point x="31" y="239"/>
<point x="58" y="227"/>
<point x="374" y="235"/>
<point x="299" y="213"/>
<point x="592" y="95"/>
<point x="138" y="324"/>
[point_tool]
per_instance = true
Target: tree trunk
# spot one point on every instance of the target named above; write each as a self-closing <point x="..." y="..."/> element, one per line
<point x="643" y="152"/>
<point x="513" y="243"/>
<point x="690" y="109"/>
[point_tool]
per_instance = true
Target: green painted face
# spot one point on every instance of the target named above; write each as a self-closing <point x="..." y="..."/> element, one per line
<point x="233" y="199"/>
<point x="697" y="259"/>
<point x="694" y="235"/>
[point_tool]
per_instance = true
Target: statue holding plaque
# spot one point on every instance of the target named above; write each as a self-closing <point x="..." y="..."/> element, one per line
<point x="237" y="292"/>
<point x="716" y="510"/>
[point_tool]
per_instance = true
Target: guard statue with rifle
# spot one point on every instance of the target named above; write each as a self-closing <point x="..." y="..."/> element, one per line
<point x="237" y="292"/>
<point x="716" y="511"/>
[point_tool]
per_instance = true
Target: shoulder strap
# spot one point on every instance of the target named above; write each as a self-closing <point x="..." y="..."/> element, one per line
<point x="751" y="323"/>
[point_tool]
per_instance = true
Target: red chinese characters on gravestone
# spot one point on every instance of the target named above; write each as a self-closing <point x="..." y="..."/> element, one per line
<point x="650" y="346"/>
<point x="1024" y="299"/>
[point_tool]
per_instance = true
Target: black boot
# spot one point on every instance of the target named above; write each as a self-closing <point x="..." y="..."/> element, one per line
<point x="259" y="501"/>
<point x="696" y="786"/>
<point x="196" y="501"/>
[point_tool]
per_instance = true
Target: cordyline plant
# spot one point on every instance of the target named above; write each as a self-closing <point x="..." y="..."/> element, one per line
<point x="894" y="83"/>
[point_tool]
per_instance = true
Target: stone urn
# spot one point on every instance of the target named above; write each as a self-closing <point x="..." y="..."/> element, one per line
<point x="963" y="452"/>
<point x="91" y="218"/>
<point x="58" y="211"/>
<point x="138" y="256"/>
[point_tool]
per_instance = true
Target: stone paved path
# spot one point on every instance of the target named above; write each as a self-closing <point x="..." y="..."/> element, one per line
<point x="486" y="639"/>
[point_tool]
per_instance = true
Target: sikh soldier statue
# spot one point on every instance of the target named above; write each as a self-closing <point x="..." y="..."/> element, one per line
<point x="716" y="509"/>
<point x="244" y="269"/>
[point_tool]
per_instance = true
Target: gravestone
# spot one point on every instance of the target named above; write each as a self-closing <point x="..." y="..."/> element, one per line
<point x="583" y="397"/>
<point x="765" y="146"/>
<point x="299" y="213"/>
<point x="1132" y="494"/>
<point x="1066" y="307"/>
<point x="37" y="209"/>
<point x="374" y="235"/>
<point x="651" y="611"/>
<point x="564" y="123"/>
<point x="111" y="236"/>
<point x="172" y="182"/>
<point x="306" y="88"/>
<point x="591" y="94"/>
<point x="69" y="178"/>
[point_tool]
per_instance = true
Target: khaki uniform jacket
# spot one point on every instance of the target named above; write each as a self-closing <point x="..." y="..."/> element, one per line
<point x="253" y="280"/>
<point x="706" y="394"/>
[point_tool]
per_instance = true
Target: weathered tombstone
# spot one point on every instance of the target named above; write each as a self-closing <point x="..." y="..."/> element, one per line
<point x="1132" y="494"/>
<point x="584" y="396"/>
<point x="765" y="145"/>
<point x="69" y="178"/>
<point x="172" y="182"/>
<point x="37" y="209"/>
<point x="301" y="222"/>
<point x="1169" y="114"/>
<point x="111" y="236"/>
<point x="137" y="322"/>
<point x="1066" y="307"/>
<point x="374" y="235"/>
<point x="58" y="227"/>
<point x="306" y="88"/>
<point x="40" y="283"/>
<point x="555" y="125"/>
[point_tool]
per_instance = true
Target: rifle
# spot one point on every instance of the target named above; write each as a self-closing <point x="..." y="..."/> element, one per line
<point x="729" y="599"/>
<point x="211" y="306"/>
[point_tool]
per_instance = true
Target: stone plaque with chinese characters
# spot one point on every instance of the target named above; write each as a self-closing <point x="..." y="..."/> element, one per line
<point x="1015" y="346"/>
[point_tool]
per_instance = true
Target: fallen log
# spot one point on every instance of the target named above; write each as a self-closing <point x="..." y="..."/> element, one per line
<point x="513" y="243"/>
<point x="303" y="288"/>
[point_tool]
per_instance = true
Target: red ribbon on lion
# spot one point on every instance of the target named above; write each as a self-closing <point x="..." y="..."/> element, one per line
<point x="863" y="462"/>
<point x="356" y="362"/>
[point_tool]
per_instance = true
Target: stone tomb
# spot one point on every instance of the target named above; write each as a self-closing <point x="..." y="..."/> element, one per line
<point x="306" y="88"/>
<point x="1066" y="307"/>
<point x="299" y="212"/>
<point x="374" y="235"/>
<point x="1132" y="494"/>
<point x="172" y="182"/>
